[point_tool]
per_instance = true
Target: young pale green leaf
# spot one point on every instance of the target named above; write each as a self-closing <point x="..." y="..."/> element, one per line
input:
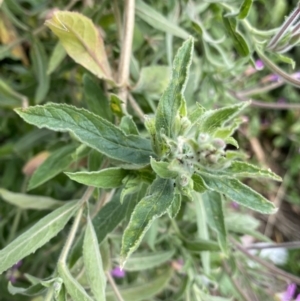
<point x="82" y="41"/>
<point x="39" y="234"/>
<point x="73" y="287"/>
<point x="239" y="192"/>
<point x="199" y="184"/>
<point x="161" y="169"/>
<point x="57" y="56"/>
<point x="105" y="178"/>
<point x="36" y="289"/>
<point x="239" y="41"/>
<point x="245" y="9"/>
<point x="116" y="105"/>
<point x="211" y="120"/>
<point x="40" y="63"/>
<point x="128" y="125"/>
<point x="158" y="21"/>
<point x="91" y="130"/>
<point x="57" y="162"/>
<point x="95" y="98"/>
<point x="243" y="169"/>
<point x="27" y="201"/>
<point x="196" y="113"/>
<point x="93" y="263"/>
<point x="171" y="100"/>
<point x="215" y="217"/>
<point x="145" y="261"/>
<point x="154" y="205"/>
<point x="175" y="206"/>
<point x="201" y="245"/>
<point x="153" y="80"/>
<point x="145" y="291"/>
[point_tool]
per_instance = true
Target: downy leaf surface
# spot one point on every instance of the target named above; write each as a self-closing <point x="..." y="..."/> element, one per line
<point x="93" y="263"/>
<point x="36" y="236"/>
<point x="57" y="162"/>
<point x="82" y="41"/>
<point x="91" y="130"/>
<point x="239" y="192"/>
<point x="172" y="98"/>
<point x="154" y="205"/>
<point x="105" y="178"/>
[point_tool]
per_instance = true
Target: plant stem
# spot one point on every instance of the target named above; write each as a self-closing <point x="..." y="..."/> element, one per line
<point x="127" y="37"/>
<point x="114" y="286"/>
<point x="266" y="264"/>
<point x="71" y="236"/>
<point x="136" y="108"/>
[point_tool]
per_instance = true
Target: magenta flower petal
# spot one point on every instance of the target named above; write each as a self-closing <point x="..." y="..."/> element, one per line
<point x="298" y="298"/>
<point x="290" y="292"/>
<point x="259" y="65"/>
<point x="118" y="272"/>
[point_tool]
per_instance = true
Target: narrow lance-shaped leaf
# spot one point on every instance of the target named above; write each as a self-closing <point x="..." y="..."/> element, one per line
<point x="154" y="205"/>
<point x="36" y="236"/>
<point x="93" y="263"/>
<point x="73" y="287"/>
<point x="215" y="217"/>
<point x="245" y="9"/>
<point x="175" y="206"/>
<point x="91" y="130"/>
<point x="58" y="161"/>
<point x="105" y="178"/>
<point x="243" y="169"/>
<point x="82" y="41"/>
<point x="172" y="98"/>
<point x="158" y="21"/>
<point x="239" y="192"/>
<point x="27" y="201"/>
<point x="57" y="56"/>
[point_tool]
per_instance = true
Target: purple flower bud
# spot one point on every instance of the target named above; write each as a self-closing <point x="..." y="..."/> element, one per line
<point x="296" y="75"/>
<point x="259" y="65"/>
<point x="117" y="272"/>
<point x="273" y="78"/>
<point x="234" y="205"/>
<point x="290" y="292"/>
<point x="17" y="265"/>
<point x="281" y="100"/>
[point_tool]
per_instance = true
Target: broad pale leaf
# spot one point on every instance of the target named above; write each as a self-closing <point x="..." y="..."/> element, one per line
<point x="161" y="169"/>
<point x="57" y="162"/>
<point x="91" y="130"/>
<point x="105" y="178"/>
<point x="153" y="80"/>
<point x="36" y="236"/>
<point x="73" y="287"/>
<point x="82" y="41"/>
<point x="211" y="120"/>
<point x="128" y="125"/>
<point x="243" y="169"/>
<point x="145" y="261"/>
<point x="27" y="201"/>
<point x="40" y="65"/>
<point x="158" y="21"/>
<point x="95" y="97"/>
<point x="172" y="98"/>
<point x="57" y="56"/>
<point x="145" y="291"/>
<point x="199" y="184"/>
<point x="154" y="205"/>
<point x="175" y="206"/>
<point x="239" y="192"/>
<point x="93" y="263"/>
<point x="215" y="217"/>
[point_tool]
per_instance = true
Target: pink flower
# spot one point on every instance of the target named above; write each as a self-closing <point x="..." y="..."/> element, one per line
<point x="290" y="292"/>
<point x="259" y="65"/>
<point x="117" y="272"/>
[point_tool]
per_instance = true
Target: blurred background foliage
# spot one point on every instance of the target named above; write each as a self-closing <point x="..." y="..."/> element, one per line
<point x="34" y="69"/>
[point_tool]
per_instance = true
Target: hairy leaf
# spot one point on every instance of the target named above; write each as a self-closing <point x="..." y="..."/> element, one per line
<point x="154" y="205"/>
<point x="93" y="263"/>
<point x="36" y="236"/>
<point x="172" y="98"/>
<point x="27" y="201"/>
<point x="91" y="130"/>
<point x="161" y="169"/>
<point x="81" y="40"/>
<point x="215" y="217"/>
<point x="73" y="287"/>
<point x="145" y="261"/>
<point x="239" y="192"/>
<point x="245" y="9"/>
<point x="175" y="206"/>
<point x="52" y="166"/>
<point x="105" y="178"/>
